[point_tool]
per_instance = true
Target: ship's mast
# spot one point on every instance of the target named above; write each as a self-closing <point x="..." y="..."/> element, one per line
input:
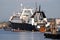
<point x="39" y="8"/>
<point x="36" y="7"/>
<point x="19" y="6"/>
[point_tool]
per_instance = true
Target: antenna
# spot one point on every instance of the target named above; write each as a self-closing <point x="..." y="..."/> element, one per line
<point x="36" y="6"/>
<point x="39" y="8"/>
<point x="21" y="5"/>
<point x="17" y="5"/>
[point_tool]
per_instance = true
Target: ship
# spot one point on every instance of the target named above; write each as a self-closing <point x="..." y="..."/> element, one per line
<point x="54" y="28"/>
<point x="22" y="20"/>
<point x="28" y="20"/>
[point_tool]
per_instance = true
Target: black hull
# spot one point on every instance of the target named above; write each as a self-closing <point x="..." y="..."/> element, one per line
<point x="23" y="26"/>
<point x="52" y="36"/>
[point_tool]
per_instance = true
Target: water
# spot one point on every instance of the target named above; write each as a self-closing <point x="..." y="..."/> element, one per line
<point x="8" y="35"/>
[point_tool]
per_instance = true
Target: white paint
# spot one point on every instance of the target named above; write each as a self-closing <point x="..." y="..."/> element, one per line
<point x="32" y="21"/>
<point x="45" y="19"/>
<point x="47" y="24"/>
<point x="38" y="26"/>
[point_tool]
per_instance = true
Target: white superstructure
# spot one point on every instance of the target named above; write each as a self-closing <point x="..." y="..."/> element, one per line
<point x="24" y="16"/>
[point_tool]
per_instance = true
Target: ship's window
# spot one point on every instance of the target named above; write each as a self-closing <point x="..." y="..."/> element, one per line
<point x="41" y="16"/>
<point x="27" y="12"/>
<point x="16" y="18"/>
<point x="35" y="17"/>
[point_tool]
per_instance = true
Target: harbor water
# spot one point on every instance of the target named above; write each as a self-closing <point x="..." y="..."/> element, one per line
<point x="8" y="35"/>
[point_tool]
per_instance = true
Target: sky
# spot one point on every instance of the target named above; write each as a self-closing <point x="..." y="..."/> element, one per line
<point x="50" y="7"/>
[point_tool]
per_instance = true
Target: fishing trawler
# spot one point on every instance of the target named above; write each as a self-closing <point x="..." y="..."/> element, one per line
<point x="22" y="20"/>
<point x="29" y="20"/>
